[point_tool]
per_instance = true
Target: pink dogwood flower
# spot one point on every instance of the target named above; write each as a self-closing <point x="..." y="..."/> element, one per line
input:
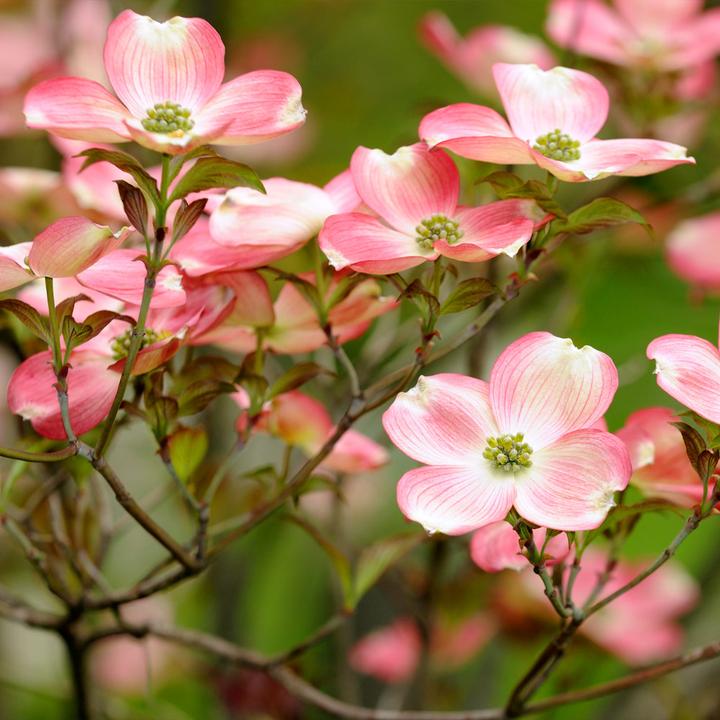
<point x="415" y="194"/>
<point x="661" y="34"/>
<point x="170" y="96"/>
<point x="290" y="324"/>
<point x="688" y="369"/>
<point x="304" y="422"/>
<point x="496" y="547"/>
<point x="554" y="117"/>
<point x="471" y="57"/>
<point x="660" y="463"/>
<point x="641" y="625"/>
<point x="693" y="252"/>
<point x="524" y="439"/>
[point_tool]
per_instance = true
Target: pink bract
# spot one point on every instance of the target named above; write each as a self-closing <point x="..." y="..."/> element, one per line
<point x="542" y="400"/>
<point x="688" y="369"/>
<point x="693" y="251"/>
<point x="496" y="547"/>
<point x="660" y="463"/>
<point x="415" y="193"/>
<point x="180" y="61"/>
<point x="666" y="35"/>
<point x="570" y="104"/>
<point x="471" y="58"/>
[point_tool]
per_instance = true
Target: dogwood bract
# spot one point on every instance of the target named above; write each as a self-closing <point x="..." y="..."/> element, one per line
<point x="554" y="116"/>
<point x="524" y="439"/>
<point x="168" y="77"/>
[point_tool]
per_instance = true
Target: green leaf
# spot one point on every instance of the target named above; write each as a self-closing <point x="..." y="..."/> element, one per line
<point x="186" y="217"/>
<point x="295" y="377"/>
<point x="29" y="317"/>
<point x="507" y="186"/>
<point x="187" y="448"/>
<point x="209" y="173"/>
<point x="424" y="300"/>
<point x="600" y="213"/>
<point x="195" y="397"/>
<point x="375" y="560"/>
<point x="135" y="206"/>
<point x="127" y="163"/>
<point x="339" y="560"/>
<point x="467" y="294"/>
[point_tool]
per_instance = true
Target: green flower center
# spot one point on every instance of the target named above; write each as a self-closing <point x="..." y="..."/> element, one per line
<point x="437" y="227"/>
<point x="121" y="345"/>
<point x="508" y="452"/>
<point x="168" y="117"/>
<point x="558" y="146"/>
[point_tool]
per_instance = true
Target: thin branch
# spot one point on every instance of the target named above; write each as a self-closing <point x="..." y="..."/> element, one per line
<point x="46" y="457"/>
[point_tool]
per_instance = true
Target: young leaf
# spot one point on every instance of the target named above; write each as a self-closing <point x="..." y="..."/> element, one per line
<point x="135" y="206"/>
<point x="29" y="317"/>
<point x="295" y="377"/>
<point x="694" y="443"/>
<point x="376" y="559"/>
<point x="187" y="448"/>
<point x="508" y="186"/>
<point x="467" y="294"/>
<point x="425" y="301"/>
<point x="127" y="163"/>
<point x="600" y="213"/>
<point x="209" y="173"/>
<point x="195" y="397"/>
<point x="186" y="217"/>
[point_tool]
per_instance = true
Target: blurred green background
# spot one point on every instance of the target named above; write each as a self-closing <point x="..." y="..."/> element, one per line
<point x="367" y="81"/>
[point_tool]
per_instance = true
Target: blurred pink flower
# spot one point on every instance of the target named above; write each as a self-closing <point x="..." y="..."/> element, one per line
<point x="660" y="34"/>
<point x="390" y="654"/>
<point x="415" y="193"/>
<point x="496" y="547"/>
<point x="291" y="323"/>
<point x="660" y="464"/>
<point x="693" y="251"/>
<point x="524" y="439"/>
<point x="554" y="116"/>
<point x="688" y="369"/>
<point x="471" y="58"/>
<point x="168" y="77"/>
<point x="304" y="422"/>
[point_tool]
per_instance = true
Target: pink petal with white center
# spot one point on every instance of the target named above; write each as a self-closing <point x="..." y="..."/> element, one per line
<point x="121" y="275"/>
<point x="475" y="132"/>
<point x="544" y="386"/>
<point x="91" y="389"/>
<point x="499" y="227"/>
<point x="13" y="270"/>
<point x="148" y="62"/>
<point x="693" y="251"/>
<point x="76" y="108"/>
<point x="693" y="43"/>
<point x="688" y="369"/>
<point x="571" y="483"/>
<point x="590" y="27"/>
<point x="342" y="193"/>
<point x="364" y="302"/>
<point x="444" y="420"/>
<point x="253" y="304"/>
<point x="71" y="245"/>
<point x="539" y="101"/>
<point x="36" y="296"/>
<point x="198" y="254"/>
<point x="94" y="188"/>
<point x="455" y="499"/>
<point x="288" y="214"/>
<point x="363" y="243"/>
<point x="626" y="156"/>
<point x="254" y="107"/>
<point x="408" y="186"/>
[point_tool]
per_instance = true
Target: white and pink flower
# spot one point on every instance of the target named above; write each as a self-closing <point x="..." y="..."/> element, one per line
<point x="525" y="439"/>
<point x="693" y="251"/>
<point x="168" y="78"/>
<point x="553" y="119"/>
<point x="415" y="193"/>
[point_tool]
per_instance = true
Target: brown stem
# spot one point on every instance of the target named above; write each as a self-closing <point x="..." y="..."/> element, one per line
<point x="76" y="656"/>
